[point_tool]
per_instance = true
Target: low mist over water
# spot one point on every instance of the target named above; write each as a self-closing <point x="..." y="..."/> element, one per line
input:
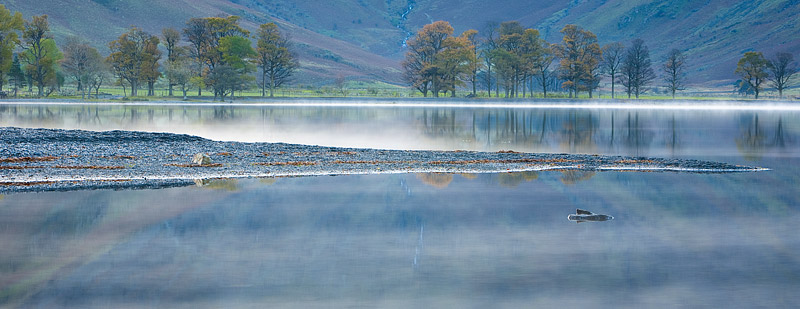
<point x="422" y="240"/>
<point x="750" y="134"/>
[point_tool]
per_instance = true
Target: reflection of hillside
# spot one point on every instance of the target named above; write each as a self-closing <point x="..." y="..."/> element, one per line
<point x="436" y="180"/>
<point x="70" y="232"/>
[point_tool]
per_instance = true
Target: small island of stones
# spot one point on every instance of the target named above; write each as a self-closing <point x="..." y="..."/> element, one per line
<point x="33" y="160"/>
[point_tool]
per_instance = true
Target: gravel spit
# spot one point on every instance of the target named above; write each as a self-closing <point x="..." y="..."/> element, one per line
<point x="58" y="160"/>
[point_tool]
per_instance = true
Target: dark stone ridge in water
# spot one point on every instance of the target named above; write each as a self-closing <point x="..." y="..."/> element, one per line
<point x="47" y="160"/>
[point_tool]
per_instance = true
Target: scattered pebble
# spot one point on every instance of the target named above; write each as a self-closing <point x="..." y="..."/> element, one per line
<point x="48" y="160"/>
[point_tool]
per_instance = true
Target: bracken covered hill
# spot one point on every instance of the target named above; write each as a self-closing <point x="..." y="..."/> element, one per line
<point x="364" y="38"/>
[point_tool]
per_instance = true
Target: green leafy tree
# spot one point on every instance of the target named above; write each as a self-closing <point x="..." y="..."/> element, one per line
<point x="752" y="67"/>
<point x="16" y="75"/>
<point x="45" y="75"/>
<point x="170" y="38"/>
<point x="41" y="55"/>
<point x="205" y="36"/>
<point x="580" y="57"/>
<point x="10" y="25"/>
<point x="509" y="60"/>
<point x="232" y="74"/>
<point x="275" y="58"/>
<point x="134" y="58"/>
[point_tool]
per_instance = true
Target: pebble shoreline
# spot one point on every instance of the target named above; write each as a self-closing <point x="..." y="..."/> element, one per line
<point x="33" y="160"/>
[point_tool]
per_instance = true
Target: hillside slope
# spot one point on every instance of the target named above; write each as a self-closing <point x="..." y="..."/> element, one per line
<point x="713" y="34"/>
<point x="322" y="57"/>
<point x="364" y="38"/>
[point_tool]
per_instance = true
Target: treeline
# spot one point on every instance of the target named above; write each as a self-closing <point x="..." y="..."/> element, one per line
<point x="517" y="60"/>
<point x="213" y="53"/>
<point x="755" y="69"/>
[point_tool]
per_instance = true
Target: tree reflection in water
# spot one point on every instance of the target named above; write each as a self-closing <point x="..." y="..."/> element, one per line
<point x="637" y="137"/>
<point x="628" y="132"/>
<point x="512" y="180"/>
<point x="436" y="180"/>
<point x="571" y="177"/>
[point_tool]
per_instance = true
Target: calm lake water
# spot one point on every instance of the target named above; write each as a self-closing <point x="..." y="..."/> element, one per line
<point x="427" y="240"/>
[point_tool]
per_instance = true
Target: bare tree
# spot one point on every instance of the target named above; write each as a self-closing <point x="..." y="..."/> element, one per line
<point x="99" y="76"/>
<point x="673" y="69"/>
<point x="489" y="45"/>
<point x="781" y="68"/>
<point x="637" y="69"/>
<point x="179" y="72"/>
<point x="541" y="67"/>
<point x="613" y="54"/>
<point x="81" y="62"/>
<point x="341" y="84"/>
<point x="170" y="39"/>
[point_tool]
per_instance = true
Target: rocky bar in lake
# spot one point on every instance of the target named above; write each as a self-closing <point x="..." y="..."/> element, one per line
<point x="47" y="160"/>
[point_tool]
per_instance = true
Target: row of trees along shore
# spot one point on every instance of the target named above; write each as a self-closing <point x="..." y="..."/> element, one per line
<point x="217" y="54"/>
<point x="517" y="59"/>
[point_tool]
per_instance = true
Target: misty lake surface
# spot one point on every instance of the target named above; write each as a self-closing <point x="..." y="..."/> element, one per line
<point x="422" y="240"/>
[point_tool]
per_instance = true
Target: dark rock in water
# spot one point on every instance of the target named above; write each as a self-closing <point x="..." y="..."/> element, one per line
<point x="588" y="216"/>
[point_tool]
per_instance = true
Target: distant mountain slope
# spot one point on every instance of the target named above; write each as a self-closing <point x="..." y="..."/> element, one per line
<point x="714" y="34"/>
<point x="364" y="38"/>
<point x="322" y="57"/>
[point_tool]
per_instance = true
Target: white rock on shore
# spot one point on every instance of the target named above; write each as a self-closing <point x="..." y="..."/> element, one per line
<point x="201" y="159"/>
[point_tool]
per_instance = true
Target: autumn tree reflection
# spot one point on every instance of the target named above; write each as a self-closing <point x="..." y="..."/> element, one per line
<point x="751" y="140"/>
<point x="512" y="180"/>
<point x="754" y="140"/>
<point x="571" y="177"/>
<point x="436" y="180"/>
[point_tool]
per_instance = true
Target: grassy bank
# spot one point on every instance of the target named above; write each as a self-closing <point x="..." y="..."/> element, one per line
<point x="360" y="89"/>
